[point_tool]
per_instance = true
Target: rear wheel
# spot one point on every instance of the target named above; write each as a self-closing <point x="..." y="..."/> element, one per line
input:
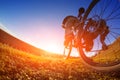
<point x="68" y="49"/>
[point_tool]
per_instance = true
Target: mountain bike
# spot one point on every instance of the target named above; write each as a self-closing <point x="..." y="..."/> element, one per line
<point x="102" y="60"/>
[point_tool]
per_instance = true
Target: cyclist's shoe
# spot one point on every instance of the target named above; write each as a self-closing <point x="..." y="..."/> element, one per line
<point x="104" y="47"/>
<point x="88" y="48"/>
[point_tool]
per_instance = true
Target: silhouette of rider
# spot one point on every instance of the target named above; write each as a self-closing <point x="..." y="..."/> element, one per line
<point x="89" y="36"/>
<point x="92" y="30"/>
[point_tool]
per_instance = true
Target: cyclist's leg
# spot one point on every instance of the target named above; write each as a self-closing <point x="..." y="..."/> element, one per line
<point x="102" y="39"/>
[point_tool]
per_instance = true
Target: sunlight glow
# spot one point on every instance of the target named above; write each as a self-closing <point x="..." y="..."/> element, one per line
<point x="52" y="47"/>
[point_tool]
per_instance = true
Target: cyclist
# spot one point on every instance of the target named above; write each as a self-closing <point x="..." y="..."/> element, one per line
<point x="88" y="35"/>
<point x="99" y="28"/>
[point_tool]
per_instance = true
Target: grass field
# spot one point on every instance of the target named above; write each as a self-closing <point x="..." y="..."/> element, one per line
<point x="19" y="65"/>
<point x="111" y="54"/>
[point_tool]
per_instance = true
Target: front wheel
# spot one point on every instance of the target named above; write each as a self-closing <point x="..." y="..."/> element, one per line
<point x="97" y="58"/>
<point x="97" y="65"/>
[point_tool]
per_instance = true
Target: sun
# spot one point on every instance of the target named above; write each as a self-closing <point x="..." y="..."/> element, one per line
<point x="52" y="48"/>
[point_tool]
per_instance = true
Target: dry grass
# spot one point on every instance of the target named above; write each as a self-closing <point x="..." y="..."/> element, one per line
<point x="111" y="54"/>
<point x="19" y="65"/>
